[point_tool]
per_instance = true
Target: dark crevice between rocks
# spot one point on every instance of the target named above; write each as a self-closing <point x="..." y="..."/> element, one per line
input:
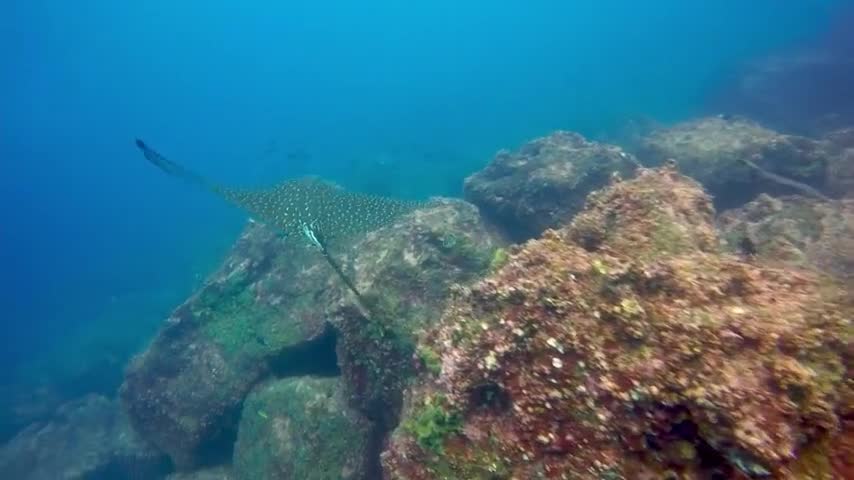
<point x="589" y="239"/>
<point x="733" y="194"/>
<point x="665" y="441"/>
<point x="315" y="357"/>
<point x="219" y="449"/>
<point x="374" y="448"/>
<point x="507" y="225"/>
<point x="132" y="468"/>
<point x="490" y="396"/>
<point x="747" y="247"/>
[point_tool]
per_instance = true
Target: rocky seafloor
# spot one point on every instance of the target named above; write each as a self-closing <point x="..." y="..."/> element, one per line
<point x="678" y="310"/>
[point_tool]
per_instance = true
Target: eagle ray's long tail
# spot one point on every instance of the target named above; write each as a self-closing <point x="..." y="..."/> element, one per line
<point x="171" y="167"/>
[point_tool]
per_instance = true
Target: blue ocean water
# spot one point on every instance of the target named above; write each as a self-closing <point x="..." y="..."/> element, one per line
<point x="398" y="98"/>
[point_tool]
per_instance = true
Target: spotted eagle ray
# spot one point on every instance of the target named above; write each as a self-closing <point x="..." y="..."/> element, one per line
<point x="316" y="209"/>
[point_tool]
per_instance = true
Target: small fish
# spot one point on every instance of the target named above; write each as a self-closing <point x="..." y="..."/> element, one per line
<point x="271" y="148"/>
<point x="298" y="154"/>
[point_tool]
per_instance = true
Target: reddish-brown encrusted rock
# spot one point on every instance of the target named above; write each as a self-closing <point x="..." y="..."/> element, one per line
<point x="632" y="358"/>
<point x="545" y="182"/>
<point x="659" y="211"/>
<point x="797" y="231"/>
<point x="404" y="273"/>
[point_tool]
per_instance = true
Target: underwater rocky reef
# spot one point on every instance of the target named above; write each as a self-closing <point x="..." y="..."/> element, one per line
<point x="628" y="344"/>
<point x="677" y="310"/>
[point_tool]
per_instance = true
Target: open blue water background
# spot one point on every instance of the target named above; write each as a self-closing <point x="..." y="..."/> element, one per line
<point x="400" y="98"/>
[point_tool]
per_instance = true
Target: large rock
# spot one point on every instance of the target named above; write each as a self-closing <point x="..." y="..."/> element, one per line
<point x="798" y="231"/>
<point x="659" y="213"/>
<point x="627" y="346"/>
<point x="545" y="182"/>
<point x="302" y="428"/>
<point x="89" y="438"/>
<point x="713" y="150"/>
<point x="277" y="307"/>
<point x="184" y="392"/>
<point x="840" y="172"/>
<point x="405" y="273"/>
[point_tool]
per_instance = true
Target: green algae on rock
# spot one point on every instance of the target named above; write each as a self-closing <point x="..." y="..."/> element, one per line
<point x="183" y="392"/>
<point x="599" y="351"/>
<point x="302" y="428"/>
<point x="274" y="304"/>
<point x="432" y="423"/>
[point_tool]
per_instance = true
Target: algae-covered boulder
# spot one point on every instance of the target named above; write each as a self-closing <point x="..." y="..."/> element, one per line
<point x="713" y="150"/>
<point x="405" y="273"/>
<point x="183" y="393"/>
<point x="608" y="349"/>
<point x="302" y="428"/>
<point x="545" y="182"/>
<point x="89" y="438"/>
<point x="795" y="230"/>
<point x="278" y="307"/>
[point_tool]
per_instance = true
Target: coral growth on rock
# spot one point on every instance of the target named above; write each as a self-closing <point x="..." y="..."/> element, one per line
<point x="545" y="182"/>
<point x="631" y="341"/>
<point x="405" y="273"/>
<point x="654" y="215"/>
<point x="627" y="346"/>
